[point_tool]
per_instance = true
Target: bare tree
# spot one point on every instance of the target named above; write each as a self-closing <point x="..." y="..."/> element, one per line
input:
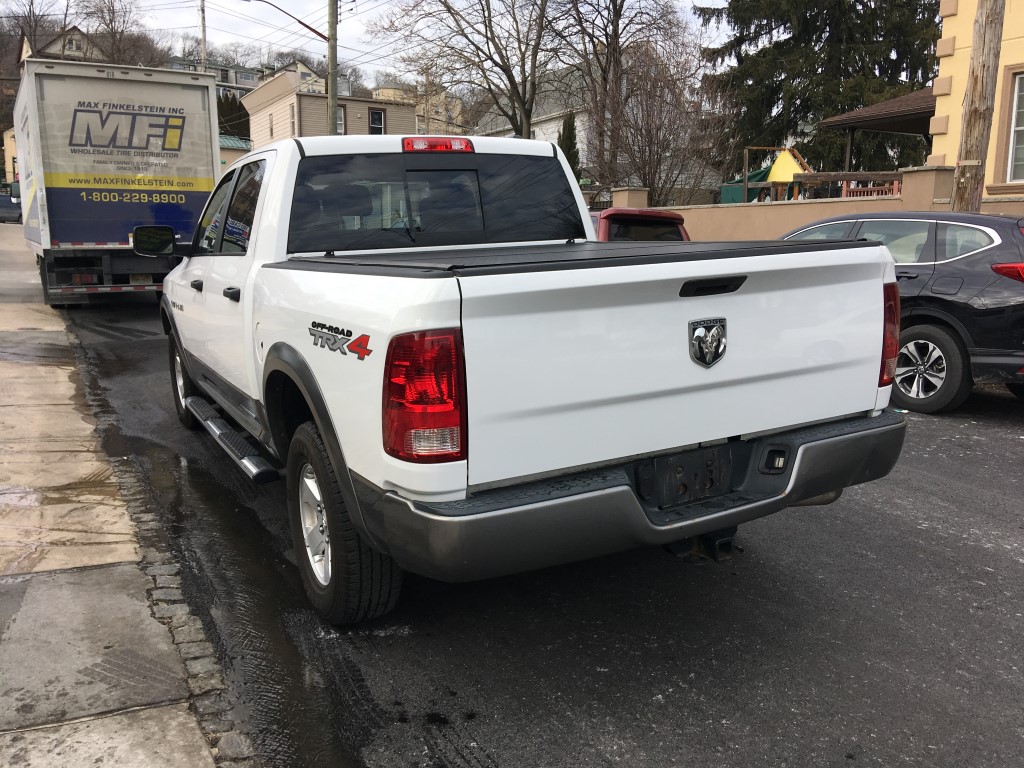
<point x="593" y="37"/>
<point x="116" y="27"/>
<point x="501" y="46"/>
<point x="674" y="130"/>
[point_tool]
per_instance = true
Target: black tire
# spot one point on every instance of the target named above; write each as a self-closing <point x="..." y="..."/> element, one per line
<point x="931" y="371"/>
<point x="346" y="581"/>
<point x="1016" y="389"/>
<point x="182" y="385"/>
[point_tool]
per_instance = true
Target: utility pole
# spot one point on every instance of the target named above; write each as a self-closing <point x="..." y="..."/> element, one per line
<point x="979" y="104"/>
<point x="332" y="67"/>
<point x="202" y="26"/>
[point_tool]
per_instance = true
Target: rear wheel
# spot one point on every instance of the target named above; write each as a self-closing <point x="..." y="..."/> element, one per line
<point x="182" y="386"/>
<point x="346" y="581"/>
<point x="931" y="371"/>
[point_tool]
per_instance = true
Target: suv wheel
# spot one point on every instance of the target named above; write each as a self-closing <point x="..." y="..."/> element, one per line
<point x="931" y="372"/>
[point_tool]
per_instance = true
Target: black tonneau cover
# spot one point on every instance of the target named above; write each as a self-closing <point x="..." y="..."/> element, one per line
<point x="485" y="260"/>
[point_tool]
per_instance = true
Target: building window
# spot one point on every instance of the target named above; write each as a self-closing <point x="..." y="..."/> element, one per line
<point x="291" y="119"/>
<point x="376" y="121"/>
<point x="245" y="77"/>
<point x="73" y="44"/>
<point x="1015" y="172"/>
<point x="340" y="122"/>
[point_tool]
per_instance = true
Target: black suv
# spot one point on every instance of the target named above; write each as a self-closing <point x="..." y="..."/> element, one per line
<point x="961" y="279"/>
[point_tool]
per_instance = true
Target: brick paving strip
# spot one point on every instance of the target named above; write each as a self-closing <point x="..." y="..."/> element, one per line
<point x="102" y="662"/>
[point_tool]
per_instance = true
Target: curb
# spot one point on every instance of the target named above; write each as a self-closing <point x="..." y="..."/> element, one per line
<point x="216" y="708"/>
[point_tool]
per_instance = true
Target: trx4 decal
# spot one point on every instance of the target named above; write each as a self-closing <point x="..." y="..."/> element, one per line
<point x="340" y="340"/>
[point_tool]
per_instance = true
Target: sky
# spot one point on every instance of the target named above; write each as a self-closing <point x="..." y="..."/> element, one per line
<point x="255" y="22"/>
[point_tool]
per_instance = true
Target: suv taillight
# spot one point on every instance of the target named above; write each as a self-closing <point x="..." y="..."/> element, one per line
<point x="890" y="333"/>
<point x="1012" y="271"/>
<point x="425" y="397"/>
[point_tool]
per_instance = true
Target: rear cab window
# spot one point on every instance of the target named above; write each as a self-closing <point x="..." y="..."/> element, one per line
<point x="635" y="228"/>
<point x="407" y="200"/>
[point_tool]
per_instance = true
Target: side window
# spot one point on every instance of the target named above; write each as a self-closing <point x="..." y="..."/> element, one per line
<point x="242" y="209"/>
<point x="959" y="240"/>
<point x="909" y="242"/>
<point x="210" y="225"/>
<point x="835" y="231"/>
<point x="377" y="122"/>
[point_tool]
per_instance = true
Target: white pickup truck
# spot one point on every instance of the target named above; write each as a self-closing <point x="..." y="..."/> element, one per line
<point x="459" y="382"/>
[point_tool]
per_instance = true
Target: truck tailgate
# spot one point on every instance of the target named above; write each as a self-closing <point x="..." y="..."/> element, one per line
<point x="569" y="368"/>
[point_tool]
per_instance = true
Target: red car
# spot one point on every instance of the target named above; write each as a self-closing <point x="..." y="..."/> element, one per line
<point x="623" y="224"/>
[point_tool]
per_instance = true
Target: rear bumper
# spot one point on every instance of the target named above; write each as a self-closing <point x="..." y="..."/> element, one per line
<point x="591" y="514"/>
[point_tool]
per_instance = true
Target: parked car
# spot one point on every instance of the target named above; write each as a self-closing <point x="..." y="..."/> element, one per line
<point x="10" y="209"/>
<point x="961" y="278"/>
<point x="625" y="224"/>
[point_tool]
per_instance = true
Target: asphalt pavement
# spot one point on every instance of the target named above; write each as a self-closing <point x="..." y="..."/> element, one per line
<point x="89" y="675"/>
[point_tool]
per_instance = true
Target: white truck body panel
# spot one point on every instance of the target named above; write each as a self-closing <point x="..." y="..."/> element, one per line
<point x="576" y="368"/>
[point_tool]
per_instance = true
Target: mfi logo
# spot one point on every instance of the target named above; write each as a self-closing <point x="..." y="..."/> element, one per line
<point x="126" y="130"/>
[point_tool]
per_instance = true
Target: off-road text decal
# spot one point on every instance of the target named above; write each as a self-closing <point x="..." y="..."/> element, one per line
<point x="340" y="340"/>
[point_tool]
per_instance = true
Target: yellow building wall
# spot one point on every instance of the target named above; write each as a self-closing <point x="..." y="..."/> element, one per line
<point x="954" y="50"/>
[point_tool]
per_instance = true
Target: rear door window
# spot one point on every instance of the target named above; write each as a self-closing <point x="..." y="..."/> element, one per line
<point x="836" y="230"/>
<point x="909" y="242"/>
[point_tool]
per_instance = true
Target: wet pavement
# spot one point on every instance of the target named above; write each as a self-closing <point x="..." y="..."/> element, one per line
<point x="88" y="674"/>
<point x="882" y="630"/>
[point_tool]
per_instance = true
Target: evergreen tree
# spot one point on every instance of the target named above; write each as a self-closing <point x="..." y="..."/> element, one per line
<point x="232" y="117"/>
<point x="567" y="143"/>
<point x="791" y="65"/>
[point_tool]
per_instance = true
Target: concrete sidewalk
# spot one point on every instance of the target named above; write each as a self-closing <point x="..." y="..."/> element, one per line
<point x="88" y="675"/>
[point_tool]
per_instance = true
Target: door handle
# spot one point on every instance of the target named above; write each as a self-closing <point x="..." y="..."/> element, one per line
<point x="906" y="276"/>
<point x="197" y="285"/>
<point x="235" y="294"/>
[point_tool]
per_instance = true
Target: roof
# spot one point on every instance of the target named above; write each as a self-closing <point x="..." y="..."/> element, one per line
<point x="904" y="114"/>
<point x="233" y="142"/>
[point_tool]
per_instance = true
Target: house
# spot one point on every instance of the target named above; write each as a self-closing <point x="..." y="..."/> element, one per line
<point x="231" y="79"/>
<point x="232" y="148"/>
<point x="291" y="104"/>
<point x="1004" y="164"/>
<point x="437" y="111"/>
<point x="555" y="101"/>
<point x="70" y="45"/>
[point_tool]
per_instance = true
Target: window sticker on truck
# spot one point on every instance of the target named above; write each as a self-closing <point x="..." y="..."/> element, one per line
<point x="339" y="340"/>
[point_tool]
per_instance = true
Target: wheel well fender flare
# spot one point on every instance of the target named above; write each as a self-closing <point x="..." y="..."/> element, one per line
<point x="929" y="316"/>
<point x="171" y="330"/>
<point x="284" y="359"/>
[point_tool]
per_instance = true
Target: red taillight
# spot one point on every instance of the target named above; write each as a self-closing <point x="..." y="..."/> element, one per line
<point x="890" y="333"/>
<point x="436" y="144"/>
<point x="1012" y="271"/>
<point x="425" y="397"/>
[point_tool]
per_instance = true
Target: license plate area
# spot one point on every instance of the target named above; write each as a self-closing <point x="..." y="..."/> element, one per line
<point x="140" y="279"/>
<point x="669" y="481"/>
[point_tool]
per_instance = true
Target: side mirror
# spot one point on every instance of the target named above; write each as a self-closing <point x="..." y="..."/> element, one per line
<point x="153" y="240"/>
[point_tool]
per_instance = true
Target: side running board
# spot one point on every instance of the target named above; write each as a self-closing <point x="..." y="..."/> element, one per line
<point x="237" y="446"/>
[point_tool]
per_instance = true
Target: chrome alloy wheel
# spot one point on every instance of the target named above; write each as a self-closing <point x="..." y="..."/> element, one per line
<point x="920" y="369"/>
<point x="313" y="517"/>
<point x="179" y="377"/>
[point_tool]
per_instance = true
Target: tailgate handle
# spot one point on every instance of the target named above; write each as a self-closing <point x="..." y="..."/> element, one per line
<point x="712" y="286"/>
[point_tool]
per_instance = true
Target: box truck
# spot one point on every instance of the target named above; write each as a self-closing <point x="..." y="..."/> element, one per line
<point x="103" y="149"/>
